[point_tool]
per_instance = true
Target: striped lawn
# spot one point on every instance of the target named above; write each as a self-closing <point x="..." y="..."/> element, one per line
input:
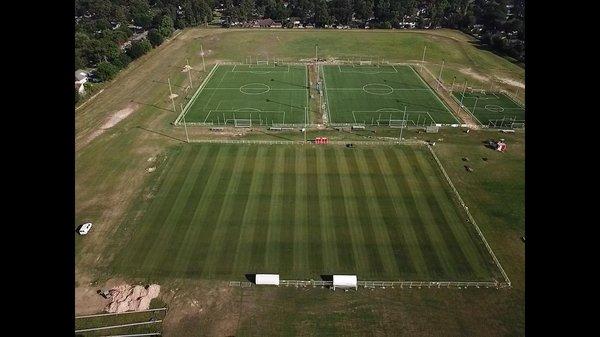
<point x="223" y="211"/>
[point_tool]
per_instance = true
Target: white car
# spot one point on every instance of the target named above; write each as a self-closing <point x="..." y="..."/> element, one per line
<point x="85" y="228"/>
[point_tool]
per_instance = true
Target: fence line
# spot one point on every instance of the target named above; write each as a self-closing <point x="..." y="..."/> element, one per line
<point x="471" y="219"/>
<point x="118" y="326"/>
<point x="385" y="284"/>
<point x="122" y="313"/>
<point x="137" y="335"/>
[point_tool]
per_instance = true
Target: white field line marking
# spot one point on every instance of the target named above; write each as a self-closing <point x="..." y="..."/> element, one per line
<point x="119" y="326"/>
<point x="200" y="88"/>
<point x="255" y="83"/>
<point x="441" y="167"/>
<point x="361" y="89"/>
<point x="213" y="94"/>
<point x="123" y="313"/>
<point x="326" y="97"/>
<point x="464" y="107"/>
<point x="89" y="99"/>
<point x="434" y="94"/>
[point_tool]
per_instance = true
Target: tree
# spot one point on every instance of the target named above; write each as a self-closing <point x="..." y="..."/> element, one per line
<point x="166" y="26"/>
<point x="138" y="48"/>
<point x="155" y="37"/>
<point x="363" y="9"/>
<point x="322" y="17"/>
<point x="106" y="71"/>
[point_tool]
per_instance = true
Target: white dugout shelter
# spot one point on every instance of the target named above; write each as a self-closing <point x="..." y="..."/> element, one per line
<point x="267" y="279"/>
<point x="345" y="281"/>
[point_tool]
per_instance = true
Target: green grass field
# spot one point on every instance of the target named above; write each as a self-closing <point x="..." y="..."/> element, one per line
<point x="383" y="213"/>
<point x="114" y="190"/>
<point x="493" y="109"/>
<point x="265" y="94"/>
<point x="374" y="95"/>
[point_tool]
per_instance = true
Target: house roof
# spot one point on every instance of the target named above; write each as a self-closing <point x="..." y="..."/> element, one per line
<point x="80" y="75"/>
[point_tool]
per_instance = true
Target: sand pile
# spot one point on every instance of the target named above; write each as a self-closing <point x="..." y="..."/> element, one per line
<point x="131" y="298"/>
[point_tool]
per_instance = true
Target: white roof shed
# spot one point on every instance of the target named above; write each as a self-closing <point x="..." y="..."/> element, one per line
<point x="345" y="281"/>
<point x="267" y="279"/>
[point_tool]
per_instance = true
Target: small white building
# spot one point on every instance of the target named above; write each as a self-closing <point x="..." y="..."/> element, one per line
<point x="345" y="281"/>
<point x="81" y="77"/>
<point x="267" y="279"/>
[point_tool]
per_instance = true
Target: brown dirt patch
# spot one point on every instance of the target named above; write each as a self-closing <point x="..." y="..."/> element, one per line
<point x="511" y="82"/>
<point x="112" y="120"/>
<point x="470" y="72"/>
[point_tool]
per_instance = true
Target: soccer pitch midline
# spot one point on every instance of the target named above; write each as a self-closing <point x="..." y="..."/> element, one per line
<point x="221" y="211"/>
<point x="372" y="90"/>
<point x="264" y="94"/>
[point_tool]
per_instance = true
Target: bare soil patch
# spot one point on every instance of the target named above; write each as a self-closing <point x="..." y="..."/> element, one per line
<point x="511" y="82"/>
<point x="470" y="72"/>
<point x="112" y="120"/>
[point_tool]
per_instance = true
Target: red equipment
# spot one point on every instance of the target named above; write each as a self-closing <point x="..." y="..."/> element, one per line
<point x="321" y="140"/>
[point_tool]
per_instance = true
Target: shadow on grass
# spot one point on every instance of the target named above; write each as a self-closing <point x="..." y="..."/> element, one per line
<point x="160" y="134"/>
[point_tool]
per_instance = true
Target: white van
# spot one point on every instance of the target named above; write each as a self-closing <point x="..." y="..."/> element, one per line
<point x="85" y="228"/>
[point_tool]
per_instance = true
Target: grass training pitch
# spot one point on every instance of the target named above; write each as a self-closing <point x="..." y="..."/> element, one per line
<point x="380" y="94"/>
<point x="383" y="213"/>
<point x="492" y="109"/>
<point x="263" y="94"/>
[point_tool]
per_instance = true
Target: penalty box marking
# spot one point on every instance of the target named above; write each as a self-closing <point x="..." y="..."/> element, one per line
<point x="391" y="110"/>
<point x="245" y="111"/>
<point x="369" y="72"/>
<point x="287" y="70"/>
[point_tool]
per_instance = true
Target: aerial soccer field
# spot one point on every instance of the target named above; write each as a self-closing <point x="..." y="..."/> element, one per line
<point x="383" y="95"/>
<point x="222" y="211"/>
<point x="492" y="108"/>
<point x="246" y="95"/>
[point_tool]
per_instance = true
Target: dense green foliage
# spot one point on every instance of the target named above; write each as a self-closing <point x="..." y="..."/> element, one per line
<point x="106" y="71"/>
<point x="104" y="28"/>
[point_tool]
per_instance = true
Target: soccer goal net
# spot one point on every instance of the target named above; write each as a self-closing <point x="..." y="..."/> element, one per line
<point x="242" y="122"/>
<point x="397" y="123"/>
<point x="262" y="63"/>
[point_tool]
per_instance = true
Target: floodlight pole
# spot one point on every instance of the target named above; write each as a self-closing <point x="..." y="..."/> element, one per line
<point x="463" y="94"/>
<point x="187" y="138"/>
<point x="403" y="121"/>
<point x="475" y="105"/>
<point x="171" y="95"/>
<point x="316" y="54"/>
<point x="202" y="54"/>
<point x="440" y="77"/>
<point x="452" y="86"/>
<point x="189" y="72"/>
<point x="423" y="58"/>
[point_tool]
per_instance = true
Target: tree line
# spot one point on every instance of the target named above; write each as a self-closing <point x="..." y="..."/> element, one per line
<point x="104" y="28"/>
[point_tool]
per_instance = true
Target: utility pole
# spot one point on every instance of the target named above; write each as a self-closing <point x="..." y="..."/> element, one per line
<point x="423" y="59"/>
<point x="316" y="53"/>
<point x="189" y="72"/>
<point x="202" y="54"/>
<point x="440" y="77"/>
<point x="171" y="95"/>
<point x="403" y="123"/>
<point x="187" y="138"/>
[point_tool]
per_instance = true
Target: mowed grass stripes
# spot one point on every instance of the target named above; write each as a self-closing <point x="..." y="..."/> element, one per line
<point x="383" y="213"/>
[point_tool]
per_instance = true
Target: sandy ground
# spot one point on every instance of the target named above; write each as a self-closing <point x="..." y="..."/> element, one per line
<point x="88" y="301"/>
<point x="112" y="121"/>
<point x="511" y="82"/>
<point x="475" y="75"/>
